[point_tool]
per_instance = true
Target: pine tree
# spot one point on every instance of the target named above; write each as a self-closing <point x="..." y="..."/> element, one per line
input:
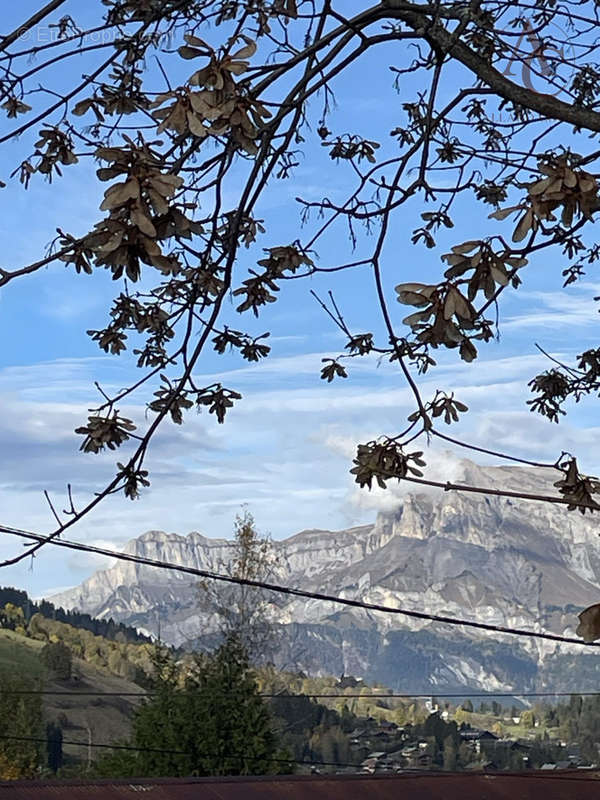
<point x="215" y="723"/>
<point x="238" y="738"/>
<point x="20" y="716"/>
<point x="54" y="749"/>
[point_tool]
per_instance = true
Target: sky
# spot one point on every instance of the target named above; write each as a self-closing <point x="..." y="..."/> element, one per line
<point x="286" y="449"/>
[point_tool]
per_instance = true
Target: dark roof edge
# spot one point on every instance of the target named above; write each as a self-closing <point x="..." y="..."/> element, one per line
<point x="575" y="774"/>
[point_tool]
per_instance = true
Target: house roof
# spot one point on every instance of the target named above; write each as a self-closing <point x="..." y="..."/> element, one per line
<point x="475" y="733"/>
<point x="423" y="786"/>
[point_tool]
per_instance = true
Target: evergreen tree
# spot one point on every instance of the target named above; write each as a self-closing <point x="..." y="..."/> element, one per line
<point x="347" y="720"/>
<point x="436" y="727"/>
<point x="20" y="716"/>
<point x="576" y="704"/>
<point x="54" y="746"/>
<point x="216" y="723"/>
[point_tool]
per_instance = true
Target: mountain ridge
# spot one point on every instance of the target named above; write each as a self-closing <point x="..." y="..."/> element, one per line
<point x="489" y="559"/>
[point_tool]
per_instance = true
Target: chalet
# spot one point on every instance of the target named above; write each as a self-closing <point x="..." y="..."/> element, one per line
<point x="408" y="753"/>
<point x="359" y="736"/>
<point x="476" y="735"/>
<point x="368" y="766"/>
<point x="483" y="765"/>
<point x="379" y="762"/>
<point x="383" y="737"/>
<point x="493" y="745"/>
<point x="477" y="738"/>
<point x="422" y="761"/>
<point x="397" y="758"/>
<point x="565" y="764"/>
<point x="371" y="766"/>
<point x="349" y="682"/>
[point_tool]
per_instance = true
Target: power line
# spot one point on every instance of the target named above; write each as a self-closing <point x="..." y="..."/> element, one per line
<point x="158" y="750"/>
<point x="442" y="695"/>
<point x="307" y="694"/>
<point x="245" y="757"/>
<point x="287" y="590"/>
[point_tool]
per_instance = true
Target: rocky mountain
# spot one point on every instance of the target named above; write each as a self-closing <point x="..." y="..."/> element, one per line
<point x="519" y="563"/>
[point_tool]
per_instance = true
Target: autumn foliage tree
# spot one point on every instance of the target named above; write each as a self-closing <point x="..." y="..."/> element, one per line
<point x="245" y="612"/>
<point x="186" y="104"/>
<point x="58" y="659"/>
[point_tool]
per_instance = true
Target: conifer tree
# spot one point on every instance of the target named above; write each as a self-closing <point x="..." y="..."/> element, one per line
<point x="213" y="722"/>
<point x="20" y="721"/>
<point x="54" y="749"/>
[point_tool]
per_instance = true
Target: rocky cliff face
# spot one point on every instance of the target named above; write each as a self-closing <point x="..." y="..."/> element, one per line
<point x="523" y="564"/>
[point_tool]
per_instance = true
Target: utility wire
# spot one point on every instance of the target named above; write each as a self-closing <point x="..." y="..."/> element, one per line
<point x="287" y="590"/>
<point x="243" y="757"/>
<point x="220" y="756"/>
<point x="310" y="695"/>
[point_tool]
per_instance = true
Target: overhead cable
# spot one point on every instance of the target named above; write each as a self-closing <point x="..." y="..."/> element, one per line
<point x="293" y="592"/>
<point x="162" y="751"/>
<point x="307" y="694"/>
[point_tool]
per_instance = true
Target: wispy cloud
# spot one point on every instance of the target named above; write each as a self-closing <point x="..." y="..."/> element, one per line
<point x="566" y="308"/>
<point x="285" y="449"/>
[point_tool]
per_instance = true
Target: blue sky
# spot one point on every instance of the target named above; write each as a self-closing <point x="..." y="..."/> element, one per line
<point x="286" y="449"/>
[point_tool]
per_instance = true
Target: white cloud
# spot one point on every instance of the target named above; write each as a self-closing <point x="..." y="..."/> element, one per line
<point x="78" y="561"/>
<point x="285" y="449"/>
<point x="528" y="435"/>
<point x="566" y="308"/>
<point x="442" y="465"/>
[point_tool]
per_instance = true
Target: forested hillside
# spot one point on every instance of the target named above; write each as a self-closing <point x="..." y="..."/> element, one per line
<point x="107" y="628"/>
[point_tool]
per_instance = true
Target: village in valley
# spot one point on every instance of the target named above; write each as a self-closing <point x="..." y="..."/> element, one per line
<point x="395" y="748"/>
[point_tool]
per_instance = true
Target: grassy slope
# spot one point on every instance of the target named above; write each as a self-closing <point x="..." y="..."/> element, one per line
<point x="106" y="718"/>
<point x="20" y="654"/>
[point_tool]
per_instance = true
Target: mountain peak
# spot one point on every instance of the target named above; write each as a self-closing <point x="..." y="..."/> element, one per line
<point x="521" y="563"/>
